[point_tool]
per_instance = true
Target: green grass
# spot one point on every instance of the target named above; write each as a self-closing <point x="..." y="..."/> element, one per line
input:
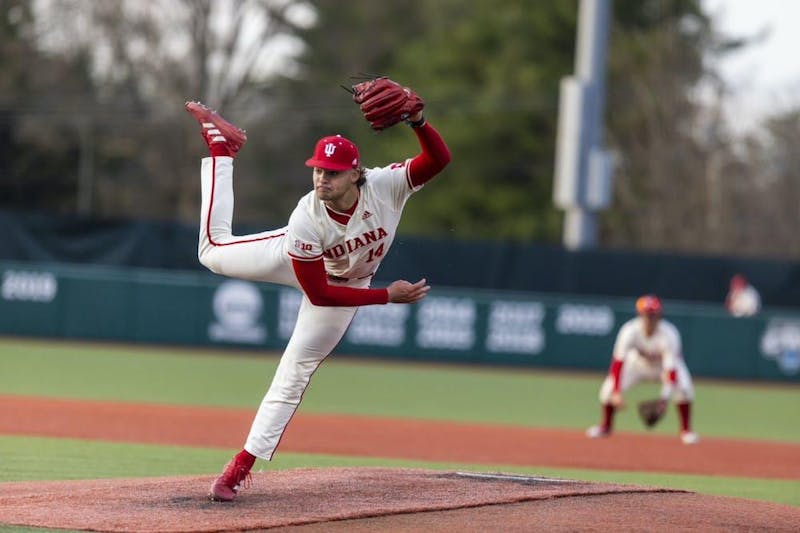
<point x="525" y="397"/>
<point x="40" y="458"/>
<point x="395" y="389"/>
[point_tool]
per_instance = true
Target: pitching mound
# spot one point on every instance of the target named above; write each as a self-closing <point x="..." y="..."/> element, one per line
<point x="377" y="499"/>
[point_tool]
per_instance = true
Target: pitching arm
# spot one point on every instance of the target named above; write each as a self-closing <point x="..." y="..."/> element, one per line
<point x="435" y="155"/>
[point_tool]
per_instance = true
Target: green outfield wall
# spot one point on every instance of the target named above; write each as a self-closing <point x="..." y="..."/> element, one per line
<point x="458" y="325"/>
<point x="495" y="265"/>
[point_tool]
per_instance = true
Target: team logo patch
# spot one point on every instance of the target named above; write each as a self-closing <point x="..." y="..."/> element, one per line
<point x="302" y="246"/>
<point x="330" y="148"/>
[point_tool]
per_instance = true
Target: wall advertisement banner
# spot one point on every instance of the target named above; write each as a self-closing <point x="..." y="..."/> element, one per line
<point x="454" y="325"/>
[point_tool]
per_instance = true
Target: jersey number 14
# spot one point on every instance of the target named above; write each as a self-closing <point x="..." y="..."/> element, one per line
<point x="375" y="253"/>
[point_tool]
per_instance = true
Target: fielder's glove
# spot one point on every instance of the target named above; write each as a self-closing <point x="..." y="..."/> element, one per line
<point x="652" y="411"/>
<point x="384" y="102"/>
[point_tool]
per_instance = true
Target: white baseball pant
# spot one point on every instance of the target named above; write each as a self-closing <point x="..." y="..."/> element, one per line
<point x="263" y="257"/>
<point x="636" y="369"/>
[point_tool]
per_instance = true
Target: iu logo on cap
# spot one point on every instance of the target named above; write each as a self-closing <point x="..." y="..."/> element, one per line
<point x="329" y="149"/>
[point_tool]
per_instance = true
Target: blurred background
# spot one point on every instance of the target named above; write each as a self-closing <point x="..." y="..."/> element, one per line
<point x="93" y="124"/>
<point x="701" y="182"/>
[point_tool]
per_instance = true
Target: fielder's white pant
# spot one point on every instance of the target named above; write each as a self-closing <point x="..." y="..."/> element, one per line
<point x="263" y="257"/>
<point x="636" y="369"/>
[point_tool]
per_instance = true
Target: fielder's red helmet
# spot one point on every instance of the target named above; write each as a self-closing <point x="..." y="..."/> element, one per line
<point x="648" y="304"/>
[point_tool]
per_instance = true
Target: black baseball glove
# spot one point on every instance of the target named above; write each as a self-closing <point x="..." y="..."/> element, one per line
<point x="652" y="411"/>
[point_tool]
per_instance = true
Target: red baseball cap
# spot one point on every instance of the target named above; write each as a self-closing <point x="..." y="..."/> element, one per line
<point x="334" y="153"/>
<point x="648" y="305"/>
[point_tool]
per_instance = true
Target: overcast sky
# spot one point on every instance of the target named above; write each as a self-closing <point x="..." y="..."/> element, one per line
<point x="766" y="77"/>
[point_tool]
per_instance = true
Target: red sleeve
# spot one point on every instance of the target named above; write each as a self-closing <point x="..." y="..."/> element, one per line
<point x="312" y="277"/>
<point x="615" y="371"/>
<point x="434" y="157"/>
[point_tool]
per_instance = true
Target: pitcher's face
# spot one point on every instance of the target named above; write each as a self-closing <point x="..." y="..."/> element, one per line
<point x="334" y="185"/>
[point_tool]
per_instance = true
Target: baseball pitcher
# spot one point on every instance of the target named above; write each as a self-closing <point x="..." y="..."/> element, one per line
<point x="647" y="348"/>
<point x="331" y="247"/>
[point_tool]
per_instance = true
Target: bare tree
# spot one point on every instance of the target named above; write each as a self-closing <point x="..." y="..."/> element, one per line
<point x="217" y="50"/>
<point x="661" y="197"/>
<point x="769" y="190"/>
<point x="146" y="58"/>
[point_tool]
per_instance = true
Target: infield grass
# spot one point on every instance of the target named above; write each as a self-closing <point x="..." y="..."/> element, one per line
<point x="346" y="385"/>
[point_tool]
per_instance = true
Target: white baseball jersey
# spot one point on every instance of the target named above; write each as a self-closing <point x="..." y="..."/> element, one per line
<point x="351" y="251"/>
<point x="354" y="250"/>
<point x="648" y="358"/>
<point x="661" y="349"/>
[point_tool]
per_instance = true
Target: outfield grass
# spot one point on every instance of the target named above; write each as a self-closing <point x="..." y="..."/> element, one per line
<point x="368" y="387"/>
<point x="346" y="385"/>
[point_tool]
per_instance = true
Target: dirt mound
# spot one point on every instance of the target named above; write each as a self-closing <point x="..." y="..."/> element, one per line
<point x="377" y="499"/>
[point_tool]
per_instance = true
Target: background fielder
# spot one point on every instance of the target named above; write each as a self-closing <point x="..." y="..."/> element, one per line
<point x="647" y="348"/>
<point x="334" y="242"/>
<point x="743" y="298"/>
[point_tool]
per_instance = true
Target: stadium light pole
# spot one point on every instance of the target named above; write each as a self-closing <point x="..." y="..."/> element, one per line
<point x="582" y="184"/>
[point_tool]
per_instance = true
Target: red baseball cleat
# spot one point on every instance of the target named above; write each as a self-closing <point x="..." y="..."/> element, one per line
<point x="234" y="477"/>
<point x="222" y="137"/>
